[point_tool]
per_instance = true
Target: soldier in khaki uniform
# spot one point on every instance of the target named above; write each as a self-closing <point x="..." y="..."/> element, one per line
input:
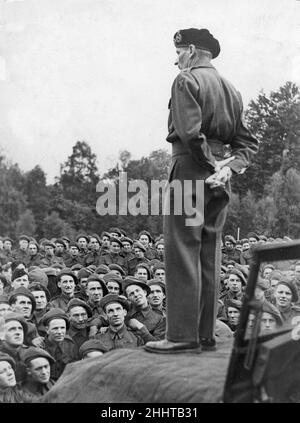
<point x="205" y="114"/>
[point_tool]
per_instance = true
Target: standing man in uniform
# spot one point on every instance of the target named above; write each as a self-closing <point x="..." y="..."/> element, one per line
<point x="205" y="114"/>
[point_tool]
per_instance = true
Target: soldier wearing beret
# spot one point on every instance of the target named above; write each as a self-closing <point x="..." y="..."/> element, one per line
<point x="160" y="248"/>
<point x="159" y="272"/>
<point x="157" y="296"/>
<point x="270" y="319"/>
<point x="12" y="342"/>
<point x="286" y="296"/>
<point x="139" y="257"/>
<point x="118" y="335"/>
<point x="22" y="301"/>
<point x="229" y="252"/>
<point x="93" y="256"/>
<point x="113" y="283"/>
<point x="7" y="249"/>
<point x="4" y="305"/>
<point x="10" y="392"/>
<point x="127" y="244"/>
<point x="38" y="362"/>
<point x="73" y="256"/>
<point x="205" y="114"/>
<point x="21" y="253"/>
<point x="79" y="313"/>
<point x="146" y="239"/>
<point x="42" y="298"/>
<point x="105" y="243"/>
<point x="58" y="344"/>
<point x="34" y="257"/>
<point x="118" y="270"/>
<point x="236" y="280"/>
<point x="66" y="282"/>
<point x="19" y="279"/>
<point x="50" y="258"/>
<point x="142" y="272"/>
<point x="92" y="348"/>
<point x="246" y="255"/>
<point x="137" y="292"/>
<point x="233" y="311"/>
<point x="113" y="256"/>
<point x="115" y="232"/>
<point x="82" y="242"/>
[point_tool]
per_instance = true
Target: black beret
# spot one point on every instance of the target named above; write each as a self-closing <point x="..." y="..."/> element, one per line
<point x="126" y="239"/>
<point x="102" y="269"/>
<point x="33" y="352"/>
<point x="234" y="303"/>
<point x="24" y="237"/>
<point x="9" y="359"/>
<point x="65" y="238"/>
<point x="13" y="316"/>
<point x="55" y="313"/>
<point x="138" y="244"/>
<point x="157" y="282"/>
<point x="73" y="244"/>
<point x="84" y="273"/>
<point x="60" y="241"/>
<point x="6" y="238"/>
<point x="147" y="234"/>
<point x="92" y="345"/>
<point x="267" y="307"/>
<point x="116" y="231"/>
<point x="253" y="235"/>
<point x="130" y="280"/>
<point x="114" y="298"/>
<point x="18" y="273"/>
<point x="35" y="286"/>
<point x="159" y="265"/>
<point x="25" y="292"/>
<point x="201" y="38"/>
<point x="230" y="238"/>
<point x="239" y="274"/>
<point x="115" y="266"/>
<point x="114" y="239"/>
<point x="67" y="271"/>
<point x="105" y="234"/>
<point x="76" y="266"/>
<point x="76" y="302"/>
<point x="83" y="236"/>
<point x="95" y="277"/>
<point x="48" y="243"/>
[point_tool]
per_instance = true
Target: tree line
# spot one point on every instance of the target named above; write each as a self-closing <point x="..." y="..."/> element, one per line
<point x="266" y="198"/>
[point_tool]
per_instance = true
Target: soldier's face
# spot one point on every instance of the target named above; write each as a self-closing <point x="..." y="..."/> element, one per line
<point x="66" y="284"/>
<point x="182" y="58"/>
<point x="40" y="299"/>
<point x="233" y="315"/>
<point x="39" y="370"/>
<point x="78" y="317"/>
<point x="23" y="244"/>
<point x="297" y="273"/>
<point x="267" y="324"/>
<point x="94" y="244"/>
<point x="160" y="274"/>
<point x="115" y="247"/>
<point x="59" y="248"/>
<point x="252" y="241"/>
<point x="126" y="246"/>
<point x="138" y="253"/>
<point x="7" y="375"/>
<point x="156" y="295"/>
<point x="32" y="249"/>
<point x="22" y="305"/>
<point x="82" y="242"/>
<point x="267" y="273"/>
<point x="160" y="248"/>
<point x="234" y="283"/>
<point x="7" y="245"/>
<point x="273" y="284"/>
<point x="14" y="334"/>
<point x="57" y="330"/>
<point x="113" y="287"/>
<point x="142" y="274"/>
<point x="283" y="296"/>
<point x="229" y="245"/>
<point x="21" y="281"/>
<point x="105" y="241"/>
<point x="94" y="291"/>
<point x="137" y="295"/>
<point x="49" y="250"/>
<point x="4" y="309"/>
<point x="246" y="246"/>
<point x="74" y="251"/>
<point x="144" y="240"/>
<point x="115" y="314"/>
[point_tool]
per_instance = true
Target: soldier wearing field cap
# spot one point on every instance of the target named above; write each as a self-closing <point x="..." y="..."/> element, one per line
<point x="205" y="115"/>
<point x="38" y="362"/>
<point x="58" y="344"/>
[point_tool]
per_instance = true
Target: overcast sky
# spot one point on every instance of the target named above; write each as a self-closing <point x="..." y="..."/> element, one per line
<point x="101" y="70"/>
